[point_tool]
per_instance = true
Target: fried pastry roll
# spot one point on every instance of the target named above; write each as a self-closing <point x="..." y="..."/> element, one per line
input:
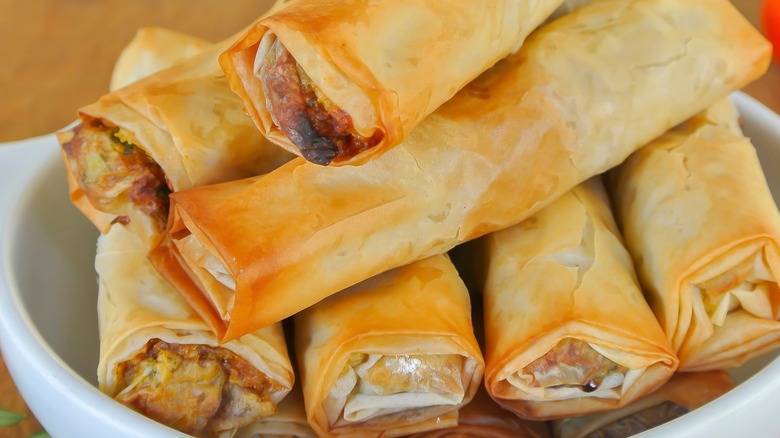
<point x="178" y="128"/>
<point x="567" y="331"/>
<point x="158" y="357"/>
<point x="508" y="144"/>
<point x="342" y="82"/>
<point x="393" y="355"/>
<point x="153" y="49"/>
<point x="698" y="216"/>
<point x="683" y="393"/>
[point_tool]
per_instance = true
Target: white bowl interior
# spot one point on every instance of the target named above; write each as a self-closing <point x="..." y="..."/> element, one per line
<point x="60" y="291"/>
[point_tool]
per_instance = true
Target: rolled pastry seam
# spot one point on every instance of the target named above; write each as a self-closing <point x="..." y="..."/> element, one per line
<point x="158" y="357"/>
<point x="567" y="330"/>
<point x="526" y="130"/>
<point x="483" y="417"/>
<point x="178" y="128"/>
<point x="153" y="49"/>
<point x="683" y="393"/>
<point x="698" y="216"/>
<point x="289" y="421"/>
<point x="391" y="356"/>
<point x="316" y="82"/>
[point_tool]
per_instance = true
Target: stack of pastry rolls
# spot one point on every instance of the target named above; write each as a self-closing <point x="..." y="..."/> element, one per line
<point x="355" y="253"/>
<point x="509" y="143"/>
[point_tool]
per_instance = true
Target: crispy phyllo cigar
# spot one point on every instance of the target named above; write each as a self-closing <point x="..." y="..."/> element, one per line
<point x="289" y="421"/>
<point x="178" y="128"/>
<point x="158" y="357"/>
<point x="698" y="216"/>
<point x="683" y="393"/>
<point x="391" y="356"/>
<point x="509" y="143"/>
<point x="343" y="82"/>
<point x="483" y="417"/>
<point x="567" y="330"/>
<point x="153" y="49"/>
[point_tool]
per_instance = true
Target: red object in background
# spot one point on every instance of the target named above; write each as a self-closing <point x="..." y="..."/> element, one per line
<point x="770" y="22"/>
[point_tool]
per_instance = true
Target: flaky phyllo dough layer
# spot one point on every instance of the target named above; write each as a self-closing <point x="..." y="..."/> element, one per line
<point x="567" y="329"/>
<point x="374" y="388"/>
<point x="391" y="356"/>
<point x="160" y="358"/>
<point x="706" y="237"/>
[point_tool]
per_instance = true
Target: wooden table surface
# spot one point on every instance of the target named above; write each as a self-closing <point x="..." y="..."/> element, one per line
<point x="58" y="55"/>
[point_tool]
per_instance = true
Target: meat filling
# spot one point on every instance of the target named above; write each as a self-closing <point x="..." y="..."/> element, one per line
<point x="199" y="390"/>
<point x="321" y="131"/>
<point x="113" y="172"/>
<point x="573" y="363"/>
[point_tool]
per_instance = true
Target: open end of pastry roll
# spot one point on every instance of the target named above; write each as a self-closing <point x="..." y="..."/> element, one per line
<point x="116" y="176"/>
<point x="319" y="129"/>
<point x="176" y="126"/>
<point x="682" y="394"/>
<point x="198" y="389"/>
<point x="706" y="238"/>
<point x="160" y="358"/>
<point x="568" y="331"/>
<point x="576" y="377"/>
<point x="376" y="389"/>
<point x="571" y="368"/>
<point x="723" y="287"/>
<point x="391" y="356"/>
<point x="314" y="79"/>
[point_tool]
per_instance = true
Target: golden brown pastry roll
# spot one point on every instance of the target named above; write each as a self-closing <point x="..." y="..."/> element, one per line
<point x="289" y="421"/>
<point x="509" y="143"/>
<point x="179" y="128"/>
<point x="567" y="331"/>
<point x="158" y="357"/>
<point x="682" y="394"/>
<point x="483" y="417"/>
<point x="153" y="49"/>
<point x="699" y="218"/>
<point x="342" y="82"/>
<point x="393" y="355"/>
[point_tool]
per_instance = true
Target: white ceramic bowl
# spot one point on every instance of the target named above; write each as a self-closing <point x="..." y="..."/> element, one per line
<point x="48" y="318"/>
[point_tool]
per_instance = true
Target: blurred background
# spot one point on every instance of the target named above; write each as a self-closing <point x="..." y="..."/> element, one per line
<point x="56" y="56"/>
